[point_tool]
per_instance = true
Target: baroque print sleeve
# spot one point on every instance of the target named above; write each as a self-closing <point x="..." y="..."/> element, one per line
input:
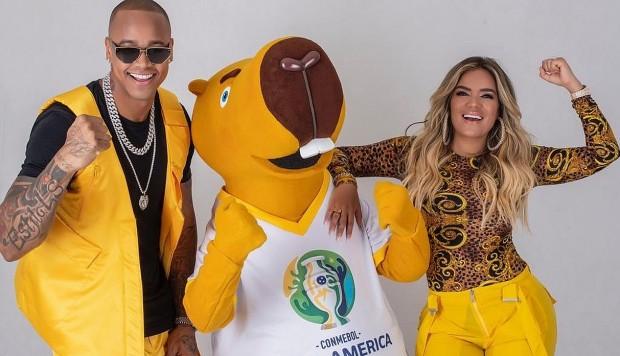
<point x="561" y="165"/>
<point x="382" y="159"/>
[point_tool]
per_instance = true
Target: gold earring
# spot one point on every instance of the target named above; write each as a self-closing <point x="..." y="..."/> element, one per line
<point x="499" y="132"/>
<point x="445" y="131"/>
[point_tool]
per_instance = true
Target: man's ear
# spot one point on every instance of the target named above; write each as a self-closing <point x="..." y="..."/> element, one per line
<point x="171" y="45"/>
<point x="108" y="50"/>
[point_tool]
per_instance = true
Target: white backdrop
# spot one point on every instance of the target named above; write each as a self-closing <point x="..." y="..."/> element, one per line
<point x="390" y="55"/>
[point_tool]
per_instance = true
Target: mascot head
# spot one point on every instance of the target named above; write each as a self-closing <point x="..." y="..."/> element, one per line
<point x="272" y="117"/>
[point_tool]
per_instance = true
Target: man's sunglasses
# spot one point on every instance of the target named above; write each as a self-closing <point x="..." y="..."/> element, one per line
<point x="128" y="55"/>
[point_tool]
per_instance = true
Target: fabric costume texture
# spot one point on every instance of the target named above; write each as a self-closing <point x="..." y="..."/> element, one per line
<point x="276" y="276"/>
<point x="463" y="256"/>
<point x="83" y="283"/>
<point x="282" y="285"/>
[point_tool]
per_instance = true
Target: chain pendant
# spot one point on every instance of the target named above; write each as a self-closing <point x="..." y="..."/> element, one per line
<point x="143" y="202"/>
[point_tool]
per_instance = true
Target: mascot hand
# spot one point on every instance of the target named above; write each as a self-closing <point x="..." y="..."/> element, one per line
<point x="396" y="210"/>
<point x="237" y="232"/>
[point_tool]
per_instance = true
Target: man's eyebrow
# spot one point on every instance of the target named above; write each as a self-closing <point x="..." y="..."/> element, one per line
<point x="135" y="44"/>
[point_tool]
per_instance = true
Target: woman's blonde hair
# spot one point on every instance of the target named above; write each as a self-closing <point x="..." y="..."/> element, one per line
<point x="504" y="177"/>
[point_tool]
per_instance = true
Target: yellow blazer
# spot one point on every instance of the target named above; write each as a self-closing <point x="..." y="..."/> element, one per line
<point x="81" y="289"/>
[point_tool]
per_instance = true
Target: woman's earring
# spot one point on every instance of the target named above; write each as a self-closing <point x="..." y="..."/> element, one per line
<point x="445" y="131"/>
<point x="500" y="133"/>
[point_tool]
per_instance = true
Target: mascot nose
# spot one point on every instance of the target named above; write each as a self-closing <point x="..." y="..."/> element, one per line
<point x="302" y="91"/>
<point x="294" y="65"/>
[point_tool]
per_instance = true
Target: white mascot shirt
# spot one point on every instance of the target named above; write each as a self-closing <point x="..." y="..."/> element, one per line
<point x="310" y="294"/>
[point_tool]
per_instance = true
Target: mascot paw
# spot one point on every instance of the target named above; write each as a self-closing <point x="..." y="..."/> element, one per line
<point x="237" y="232"/>
<point x="395" y="209"/>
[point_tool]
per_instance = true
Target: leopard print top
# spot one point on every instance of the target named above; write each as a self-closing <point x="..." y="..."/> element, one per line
<point x="463" y="255"/>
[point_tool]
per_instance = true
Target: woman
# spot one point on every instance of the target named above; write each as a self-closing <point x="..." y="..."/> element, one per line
<point x="470" y="170"/>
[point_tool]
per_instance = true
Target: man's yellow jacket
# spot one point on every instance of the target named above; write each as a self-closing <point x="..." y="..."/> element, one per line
<point x="81" y="288"/>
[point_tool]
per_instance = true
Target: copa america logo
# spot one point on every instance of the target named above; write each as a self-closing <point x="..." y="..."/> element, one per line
<point x="320" y="288"/>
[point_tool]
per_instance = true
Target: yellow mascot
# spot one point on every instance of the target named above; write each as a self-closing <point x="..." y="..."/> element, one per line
<point x="270" y="278"/>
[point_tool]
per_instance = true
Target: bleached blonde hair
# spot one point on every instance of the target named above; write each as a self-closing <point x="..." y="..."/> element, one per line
<point x="505" y="176"/>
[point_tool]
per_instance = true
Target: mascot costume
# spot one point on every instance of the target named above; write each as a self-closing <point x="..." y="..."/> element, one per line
<point x="270" y="279"/>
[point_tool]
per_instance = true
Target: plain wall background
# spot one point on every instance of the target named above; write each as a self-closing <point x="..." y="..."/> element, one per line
<point x="390" y="55"/>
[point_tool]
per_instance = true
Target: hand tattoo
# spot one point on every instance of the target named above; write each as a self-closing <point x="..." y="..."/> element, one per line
<point x="75" y="144"/>
<point x="189" y="343"/>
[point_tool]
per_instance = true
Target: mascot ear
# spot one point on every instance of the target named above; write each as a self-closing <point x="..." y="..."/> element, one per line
<point x="197" y="86"/>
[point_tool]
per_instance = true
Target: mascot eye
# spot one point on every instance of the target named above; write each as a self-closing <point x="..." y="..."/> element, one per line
<point x="224" y="97"/>
<point x="321" y="280"/>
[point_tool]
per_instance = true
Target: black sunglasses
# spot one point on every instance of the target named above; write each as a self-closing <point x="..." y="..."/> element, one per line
<point x="155" y="54"/>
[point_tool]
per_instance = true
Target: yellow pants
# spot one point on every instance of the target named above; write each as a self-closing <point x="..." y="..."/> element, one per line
<point x="154" y="345"/>
<point x="515" y="317"/>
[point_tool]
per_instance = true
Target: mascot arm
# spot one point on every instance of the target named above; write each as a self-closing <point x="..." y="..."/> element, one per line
<point x="210" y="294"/>
<point x="403" y="253"/>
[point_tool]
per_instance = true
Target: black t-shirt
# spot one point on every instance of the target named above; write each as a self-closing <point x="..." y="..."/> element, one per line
<point x="48" y="136"/>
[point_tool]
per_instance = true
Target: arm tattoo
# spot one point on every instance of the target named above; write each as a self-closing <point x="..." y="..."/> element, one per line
<point x="28" y="209"/>
<point x="185" y="253"/>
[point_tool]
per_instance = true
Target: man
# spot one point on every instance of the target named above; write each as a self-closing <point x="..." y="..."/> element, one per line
<point x="106" y="237"/>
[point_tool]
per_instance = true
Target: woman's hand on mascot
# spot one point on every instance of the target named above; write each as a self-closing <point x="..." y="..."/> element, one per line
<point x="343" y="210"/>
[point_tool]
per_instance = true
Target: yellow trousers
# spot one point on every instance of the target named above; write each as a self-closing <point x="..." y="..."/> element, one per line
<point x="515" y="317"/>
<point x="154" y="345"/>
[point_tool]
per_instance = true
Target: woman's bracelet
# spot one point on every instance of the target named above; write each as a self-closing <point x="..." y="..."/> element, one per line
<point x="580" y="93"/>
<point x="343" y="179"/>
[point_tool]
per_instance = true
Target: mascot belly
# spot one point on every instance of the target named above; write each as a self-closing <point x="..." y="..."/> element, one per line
<point x="270" y="279"/>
